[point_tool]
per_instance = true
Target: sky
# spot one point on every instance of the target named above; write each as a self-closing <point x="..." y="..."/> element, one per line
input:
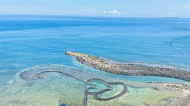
<point x="121" y="8"/>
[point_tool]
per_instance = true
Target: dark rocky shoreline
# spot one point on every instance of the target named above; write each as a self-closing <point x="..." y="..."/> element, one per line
<point x="129" y="69"/>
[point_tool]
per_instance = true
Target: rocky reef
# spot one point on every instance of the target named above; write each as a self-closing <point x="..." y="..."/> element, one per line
<point x="130" y="69"/>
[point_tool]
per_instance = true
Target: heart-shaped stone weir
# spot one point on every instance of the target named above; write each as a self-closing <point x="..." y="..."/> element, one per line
<point x="104" y="91"/>
<point x="99" y="88"/>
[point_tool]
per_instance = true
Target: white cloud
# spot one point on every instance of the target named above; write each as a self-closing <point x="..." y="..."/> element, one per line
<point x="104" y="12"/>
<point x="116" y="12"/>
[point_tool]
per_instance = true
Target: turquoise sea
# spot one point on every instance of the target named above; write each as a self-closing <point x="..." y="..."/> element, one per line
<point x="27" y="41"/>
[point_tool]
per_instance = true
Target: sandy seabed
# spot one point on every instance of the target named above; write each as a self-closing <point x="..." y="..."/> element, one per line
<point x="61" y="90"/>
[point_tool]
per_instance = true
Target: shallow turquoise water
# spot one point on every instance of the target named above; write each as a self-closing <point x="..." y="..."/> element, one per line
<point x="27" y="41"/>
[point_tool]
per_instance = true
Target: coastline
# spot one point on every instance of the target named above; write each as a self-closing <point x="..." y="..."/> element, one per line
<point x="180" y="100"/>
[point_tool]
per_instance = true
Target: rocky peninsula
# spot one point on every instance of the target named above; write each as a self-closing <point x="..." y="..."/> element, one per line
<point x="130" y="69"/>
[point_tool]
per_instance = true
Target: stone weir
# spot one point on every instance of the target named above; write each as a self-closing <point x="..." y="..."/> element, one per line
<point x="130" y="69"/>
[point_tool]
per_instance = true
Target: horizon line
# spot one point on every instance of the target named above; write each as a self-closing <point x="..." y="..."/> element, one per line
<point x="112" y="16"/>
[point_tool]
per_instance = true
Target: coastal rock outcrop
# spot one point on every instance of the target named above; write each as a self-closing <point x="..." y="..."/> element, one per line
<point x="130" y="69"/>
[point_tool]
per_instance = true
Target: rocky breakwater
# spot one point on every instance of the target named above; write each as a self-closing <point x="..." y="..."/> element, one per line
<point x="130" y="69"/>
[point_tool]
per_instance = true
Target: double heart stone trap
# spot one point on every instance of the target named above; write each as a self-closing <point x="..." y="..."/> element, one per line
<point x="100" y="89"/>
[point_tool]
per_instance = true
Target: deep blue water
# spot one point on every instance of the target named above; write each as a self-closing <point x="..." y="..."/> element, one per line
<point x="26" y="41"/>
